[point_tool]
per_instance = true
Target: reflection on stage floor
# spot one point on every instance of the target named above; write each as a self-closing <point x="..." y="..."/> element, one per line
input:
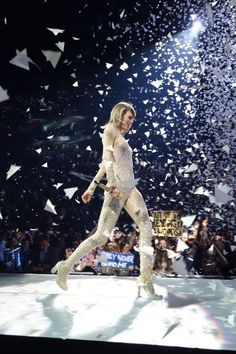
<point x="195" y="313"/>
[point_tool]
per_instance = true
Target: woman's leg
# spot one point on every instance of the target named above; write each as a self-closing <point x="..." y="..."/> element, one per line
<point x="137" y="209"/>
<point x="108" y="217"/>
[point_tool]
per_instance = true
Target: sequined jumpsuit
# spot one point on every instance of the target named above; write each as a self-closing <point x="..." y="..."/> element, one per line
<point x="118" y="165"/>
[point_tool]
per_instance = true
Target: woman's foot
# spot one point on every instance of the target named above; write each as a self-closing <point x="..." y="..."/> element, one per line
<point x="148" y="288"/>
<point x="62" y="271"/>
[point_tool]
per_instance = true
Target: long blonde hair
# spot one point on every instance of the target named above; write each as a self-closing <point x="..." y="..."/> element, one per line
<point x="119" y="110"/>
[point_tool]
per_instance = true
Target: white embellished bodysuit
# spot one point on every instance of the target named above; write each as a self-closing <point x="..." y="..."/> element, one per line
<point x="118" y="165"/>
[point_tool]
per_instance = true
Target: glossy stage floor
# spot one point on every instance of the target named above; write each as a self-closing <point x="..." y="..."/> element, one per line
<point x="103" y="312"/>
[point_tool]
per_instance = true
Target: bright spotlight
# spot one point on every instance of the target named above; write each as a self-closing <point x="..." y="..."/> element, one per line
<point x="197" y="27"/>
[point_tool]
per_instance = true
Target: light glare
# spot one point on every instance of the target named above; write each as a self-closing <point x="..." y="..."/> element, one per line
<point x="197" y="27"/>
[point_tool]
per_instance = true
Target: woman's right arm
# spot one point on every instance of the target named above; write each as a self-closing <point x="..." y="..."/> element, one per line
<point x="87" y="195"/>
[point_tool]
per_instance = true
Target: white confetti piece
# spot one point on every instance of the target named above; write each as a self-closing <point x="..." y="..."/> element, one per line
<point x="38" y="150"/>
<point x="70" y="191"/>
<point x="193" y="167"/>
<point x="224" y="188"/>
<point x="124" y="66"/>
<point x="50" y="207"/>
<point x="171" y="254"/>
<point x="13" y="169"/>
<point x="3" y="95"/>
<point x="221" y="197"/>
<point x="55" y="31"/>
<point x="122" y="13"/>
<point x="58" y="185"/>
<point x="157" y="83"/>
<point x="60" y="45"/>
<point x="226" y="148"/>
<point x="202" y="191"/>
<point x="22" y="60"/>
<point x="108" y="65"/>
<point x="181" y="246"/>
<point x="52" y="56"/>
<point x="171" y="328"/>
<point x="211" y="249"/>
<point x="188" y="220"/>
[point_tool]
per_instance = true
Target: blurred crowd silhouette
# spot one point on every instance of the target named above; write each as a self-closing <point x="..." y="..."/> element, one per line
<point x="202" y="252"/>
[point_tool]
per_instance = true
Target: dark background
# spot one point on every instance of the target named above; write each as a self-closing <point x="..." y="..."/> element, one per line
<point x="187" y="120"/>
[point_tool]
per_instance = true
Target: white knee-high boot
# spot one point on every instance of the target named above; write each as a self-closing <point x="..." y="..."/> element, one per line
<point x="146" y="261"/>
<point x="63" y="268"/>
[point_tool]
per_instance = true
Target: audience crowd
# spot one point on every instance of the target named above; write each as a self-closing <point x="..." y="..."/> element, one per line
<point x="201" y="252"/>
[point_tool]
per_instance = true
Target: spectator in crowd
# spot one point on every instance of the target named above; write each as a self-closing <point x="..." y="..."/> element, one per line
<point x="222" y="252"/>
<point x="193" y="230"/>
<point x="134" y="249"/>
<point x="189" y="253"/>
<point x="111" y="247"/>
<point x="87" y="263"/>
<point x="17" y="247"/>
<point x="116" y="235"/>
<point x="162" y="262"/>
<point x="68" y="252"/>
<point x="204" y="242"/>
<point x="25" y="249"/>
<point x="124" y="246"/>
<point x="232" y="260"/>
<point x="3" y="246"/>
<point x="12" y="254"/>
<point x="43" y="257"/>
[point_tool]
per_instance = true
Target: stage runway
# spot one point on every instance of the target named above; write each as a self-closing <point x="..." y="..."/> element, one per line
<point x="195" y="313"/>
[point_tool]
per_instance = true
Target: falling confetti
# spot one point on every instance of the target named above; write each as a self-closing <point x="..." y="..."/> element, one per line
<point x="55" y="31"/>
<point x="22" y="60"/>
<point x="3" y="95"/>
<point x="171" y="328"/>
<point x="52" y="56"/>
<point x="61" y="45"/>
<point x="38" y="150"/>
<point x="70" y="191"/>
<point x="181" y="246"/>
<point x="50" y="207"/>
<point x="58" y="185"/>
<point x="188" y="220"/>
<point x="180" y="82"/>
<point x="13" y="169"/>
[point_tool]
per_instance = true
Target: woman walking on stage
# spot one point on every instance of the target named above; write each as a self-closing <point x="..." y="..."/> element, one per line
<point x="117" y="164"/>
